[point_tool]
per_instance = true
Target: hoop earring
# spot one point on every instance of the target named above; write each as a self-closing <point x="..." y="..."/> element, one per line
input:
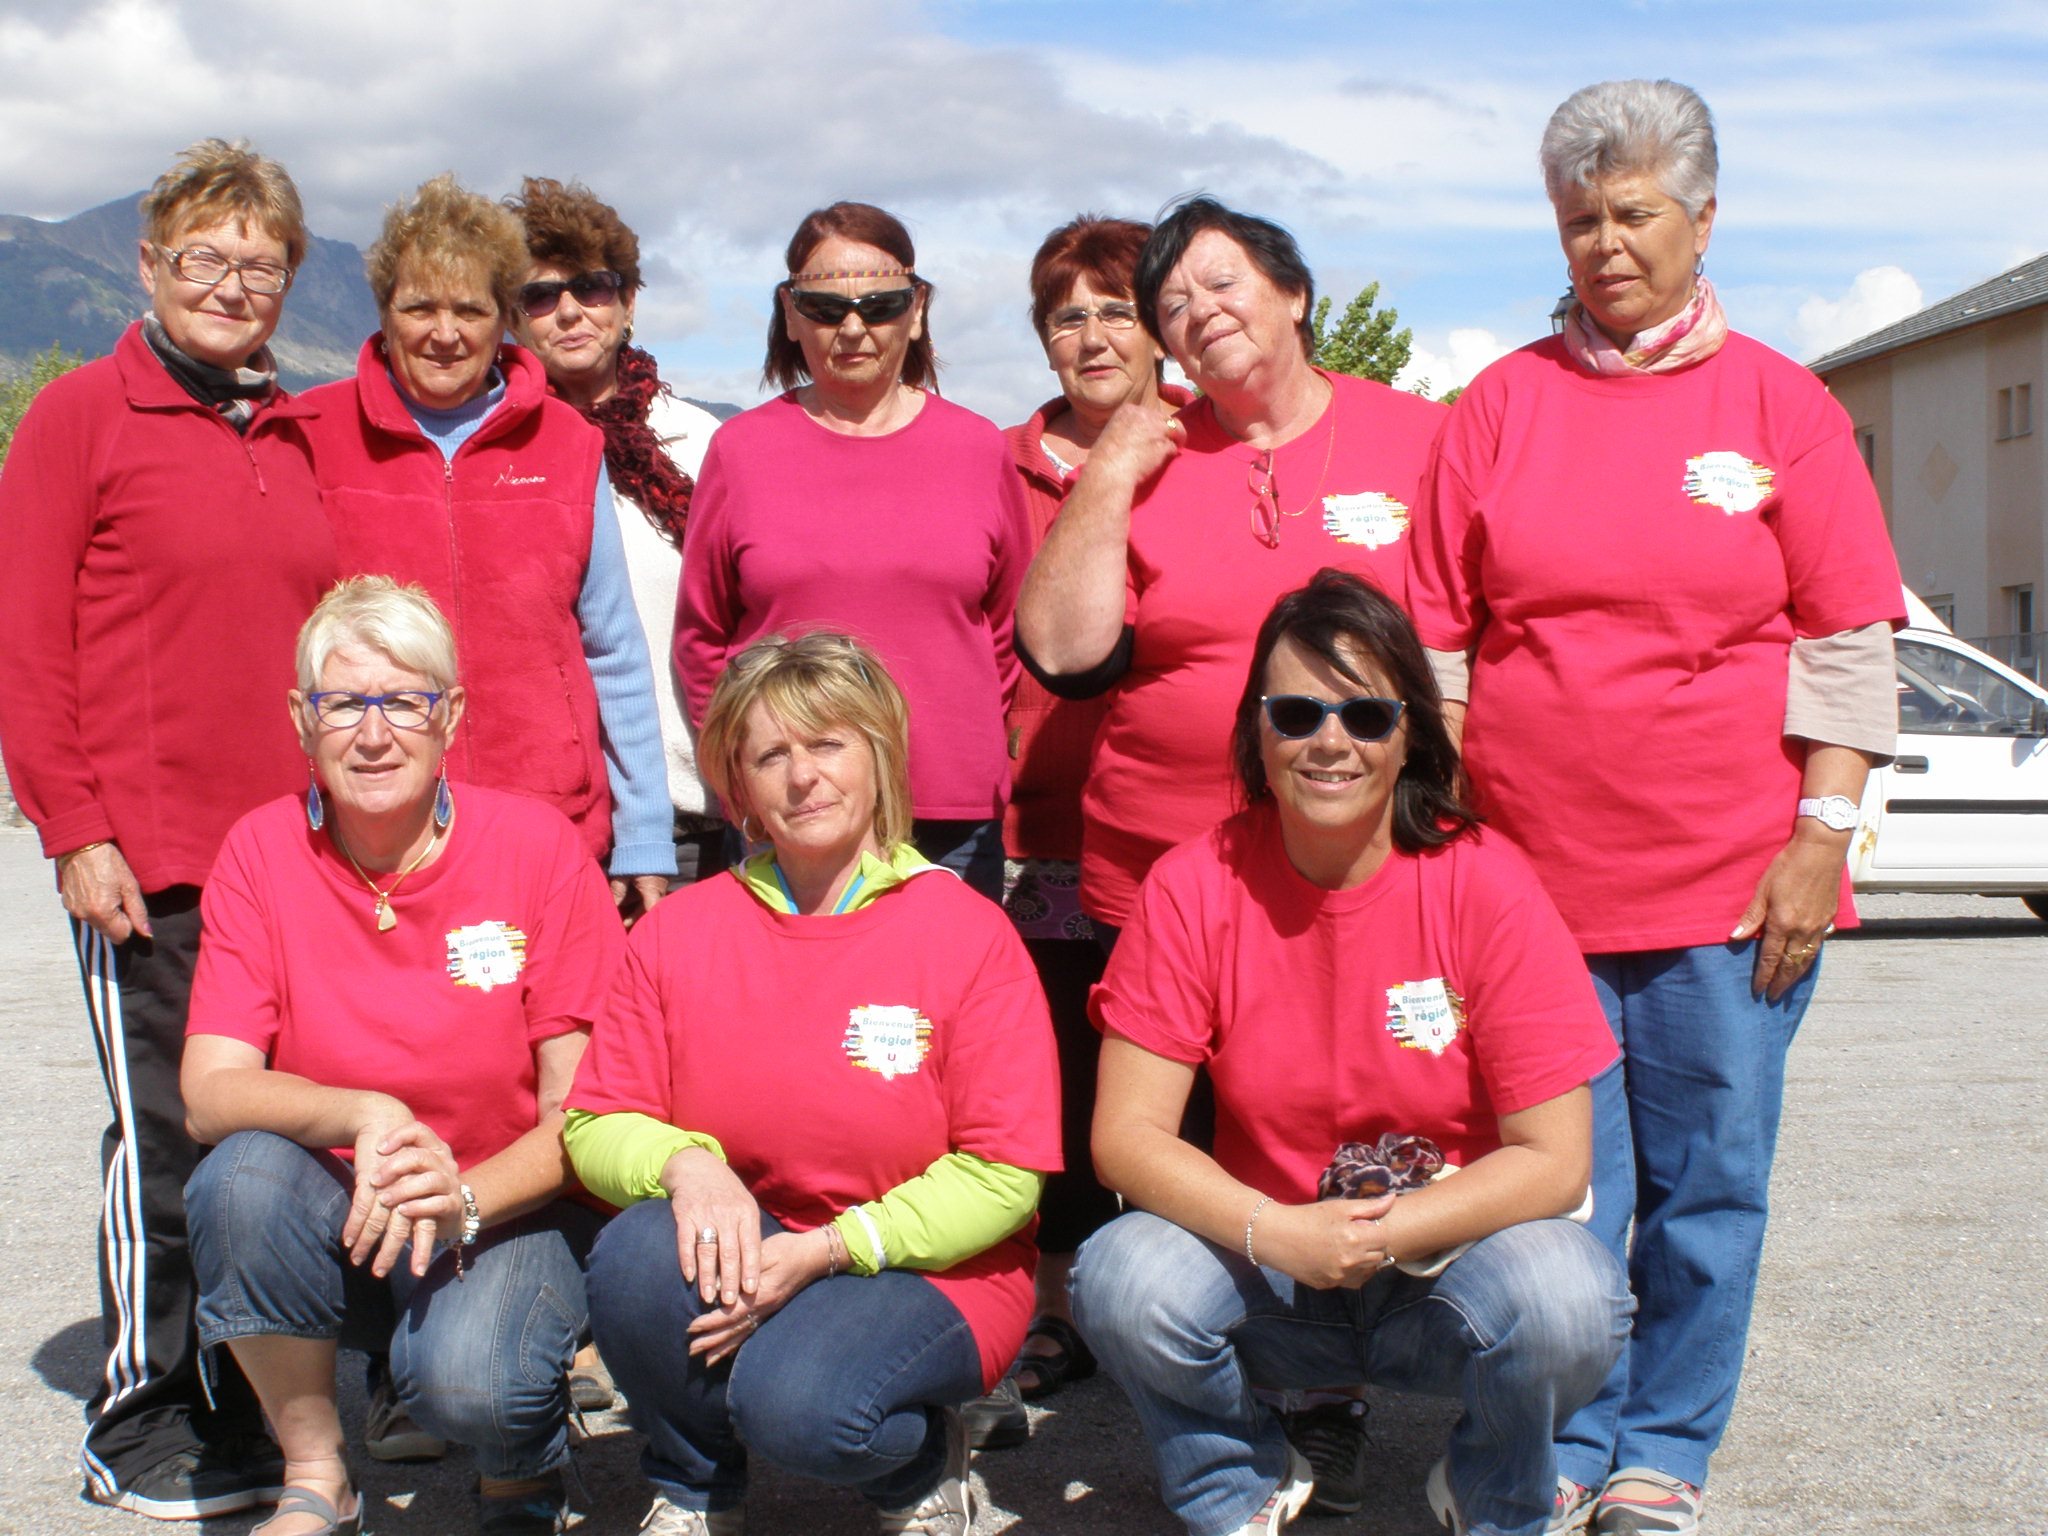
<point x="316" y="808"/>
<point x="752" y="837"/>
<point x="444" y="803"/>
<point x="1699" y="265"/>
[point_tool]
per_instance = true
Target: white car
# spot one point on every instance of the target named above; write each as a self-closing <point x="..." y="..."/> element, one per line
<point x="1964" y="807"/>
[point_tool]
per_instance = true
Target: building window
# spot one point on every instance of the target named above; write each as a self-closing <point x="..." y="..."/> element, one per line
<point x="2015" y="411"/>
<point x="1943" y="606"/>
<point x="2021" y="608"/>
<point x="1866" y="444"/>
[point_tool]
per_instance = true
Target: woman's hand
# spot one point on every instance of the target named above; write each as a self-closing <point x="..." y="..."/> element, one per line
<point x="372" y="1232"/>
<point x="1136" y="444"/>
<point x="1325" y="1244"/>
<point x="718" y="1226"/>
<point x="99" y="889"/>
<point x="635" y="895"/>
<point x="1794" y="906"/>
<point x="416" y="1179"/>
<point x="789" y="1262"/>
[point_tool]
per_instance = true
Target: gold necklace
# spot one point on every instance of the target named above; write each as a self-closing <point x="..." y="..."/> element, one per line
<point x="1270" y="537"/>
<point x="386" y="918"/>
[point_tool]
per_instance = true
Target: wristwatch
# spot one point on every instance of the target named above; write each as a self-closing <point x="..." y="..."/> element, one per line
<point x="1835" y="812"/>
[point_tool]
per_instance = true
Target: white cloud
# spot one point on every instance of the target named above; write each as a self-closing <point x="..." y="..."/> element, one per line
<point x="1878" y="296"/>
<point x="1466" y="351"/>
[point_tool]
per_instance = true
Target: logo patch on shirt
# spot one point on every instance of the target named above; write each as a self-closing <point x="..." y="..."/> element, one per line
<point x="1425" y="1015"/>
<point x="510" y="475"/>
<point x="1728" y="481"/>
<point x="486" y="955"/>
<point x="890" y="1038"/>
<point x="1370" y="518"/>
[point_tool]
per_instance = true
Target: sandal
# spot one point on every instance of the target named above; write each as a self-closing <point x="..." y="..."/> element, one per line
<point x="1041" y="1375"/>
<point x="304" y="1501"/>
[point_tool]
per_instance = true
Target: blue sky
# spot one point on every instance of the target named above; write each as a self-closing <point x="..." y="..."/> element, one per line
<point x="1874" y="156"/>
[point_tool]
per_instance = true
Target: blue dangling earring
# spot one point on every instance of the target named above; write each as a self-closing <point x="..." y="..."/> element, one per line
<point x="316" y="808"/>
<point x="444" y="803"/>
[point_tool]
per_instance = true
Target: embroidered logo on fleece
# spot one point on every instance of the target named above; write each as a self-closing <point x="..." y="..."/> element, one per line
<point x="1728" y="481"/>
<point x="1370" y="518"/>
<point x="486" y="955"/>
<point x="1425" y="1015"/>
<point x="510" y="475"/>
<point x="890" y="1038"/>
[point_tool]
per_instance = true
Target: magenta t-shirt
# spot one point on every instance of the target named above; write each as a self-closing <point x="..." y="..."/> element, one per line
<point x="1632" y="558"/>
<point x="836" y="1057"/>
<point x="508" y="939"/>
<point x="1439" y="995"/>
<point x="1200" y="583"/>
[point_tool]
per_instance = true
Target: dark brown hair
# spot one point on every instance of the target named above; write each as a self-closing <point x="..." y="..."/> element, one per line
<point x="568" y="226"/>
<point x="1271" y="248"/>
<point x="867" y="225"/>
<point x="1342" y="617"/>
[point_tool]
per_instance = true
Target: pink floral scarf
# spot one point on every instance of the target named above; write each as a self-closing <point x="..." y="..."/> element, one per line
<point x="1689" y="337"/>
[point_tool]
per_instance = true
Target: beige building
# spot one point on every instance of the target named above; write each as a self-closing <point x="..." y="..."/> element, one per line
<point x="1947" y="407"/>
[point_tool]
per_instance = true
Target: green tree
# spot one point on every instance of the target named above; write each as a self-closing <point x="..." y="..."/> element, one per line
<point x="1365" y="343"/>
<point x="15" y="394"/>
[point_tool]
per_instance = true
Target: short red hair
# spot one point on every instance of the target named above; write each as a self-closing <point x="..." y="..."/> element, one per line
<point x="1104" y="251"/>
<point x="865" y="224"/>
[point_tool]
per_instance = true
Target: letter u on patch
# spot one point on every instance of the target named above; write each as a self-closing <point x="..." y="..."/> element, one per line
<point x="1425" y="1015"/>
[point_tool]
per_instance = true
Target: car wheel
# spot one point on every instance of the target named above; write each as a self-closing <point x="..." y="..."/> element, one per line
<point x="2037" y="903"/>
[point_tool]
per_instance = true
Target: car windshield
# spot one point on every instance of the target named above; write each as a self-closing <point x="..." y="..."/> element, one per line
<point x="1943" y="692"/>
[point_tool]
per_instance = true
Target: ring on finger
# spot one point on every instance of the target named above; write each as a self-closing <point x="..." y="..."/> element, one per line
<point x="706" y="1235"/>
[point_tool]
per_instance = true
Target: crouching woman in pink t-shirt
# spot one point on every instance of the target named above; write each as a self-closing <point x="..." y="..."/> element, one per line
<point x="393" y="990"/>
<point x="825" y="1091"/>
<point x="1380" y="992"/>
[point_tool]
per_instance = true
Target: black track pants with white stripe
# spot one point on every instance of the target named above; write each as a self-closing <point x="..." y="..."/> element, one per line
<point x="150" y="1402"/>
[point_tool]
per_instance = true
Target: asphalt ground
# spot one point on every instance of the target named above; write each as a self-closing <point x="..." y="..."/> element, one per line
<point x="1896" y="1366"/>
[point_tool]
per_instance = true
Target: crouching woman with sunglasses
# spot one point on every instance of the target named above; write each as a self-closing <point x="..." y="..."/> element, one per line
<point x="1383" y="997"/>
<point x="394" y="989"/>
<point x="860" y="501"/>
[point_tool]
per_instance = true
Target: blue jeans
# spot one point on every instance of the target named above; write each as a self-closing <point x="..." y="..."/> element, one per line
<point x="479" y="1361"/>
<point x="1684" y="1129"/>
<point x="1522" y="1328"/>
<point x="845" y="1383"/>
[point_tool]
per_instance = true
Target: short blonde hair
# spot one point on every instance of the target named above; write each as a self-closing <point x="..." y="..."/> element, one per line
<point x="214" y="182"/>
<point x="818" y="680"/>
<point x="451" y="231"/>
<point x="375" y="611"/>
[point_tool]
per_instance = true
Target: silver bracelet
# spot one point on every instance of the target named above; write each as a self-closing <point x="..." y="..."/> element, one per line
<point x="472" y="1221"/>
<point x="1264" y="1201"/>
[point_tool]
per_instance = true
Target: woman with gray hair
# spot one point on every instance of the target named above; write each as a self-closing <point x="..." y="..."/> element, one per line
<point x="1656" y="572"/>
<point x="397" y="981"/>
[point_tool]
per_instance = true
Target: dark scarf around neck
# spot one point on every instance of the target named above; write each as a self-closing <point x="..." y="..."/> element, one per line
<point x="633" y="454"/>
<point x="233" y="392"/>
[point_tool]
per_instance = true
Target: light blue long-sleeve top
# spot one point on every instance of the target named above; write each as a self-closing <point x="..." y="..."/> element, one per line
<point x="614" y="646"/>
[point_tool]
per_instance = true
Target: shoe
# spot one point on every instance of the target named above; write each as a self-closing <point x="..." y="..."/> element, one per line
<point x="667" y="1518"/>
<point x="1332" y="1437"/>
<point x="1287" y="1501"/>
<point x="999" y="1420"/>
<point x="200" y="1481"/>
<point x="590" y="1385"/>
<point x="948" y="1510"/>
<point x="389" y="1433"/>
<point x="522" y="1506"/>
<point x="304" y="1501"/>
<point x="1571" y="1512"/>
<point x="1674" y="1512"/>
<point x="1437" y="1489"/>
<point x="1070" y="1360"/>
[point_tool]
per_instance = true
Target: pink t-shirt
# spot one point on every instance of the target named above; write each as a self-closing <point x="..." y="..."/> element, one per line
<point x="1441" y="994"/>
<point x="506" y="940"/>
<point x="916" y="542"/>
<point x="836" y="1057"/>
<point x="1200" y="583"/>
<point x="1632" y="558"/>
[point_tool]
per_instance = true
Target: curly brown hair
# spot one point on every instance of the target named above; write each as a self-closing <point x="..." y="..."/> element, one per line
<point x="567" y="225"/>
<point x="448" y="229"/>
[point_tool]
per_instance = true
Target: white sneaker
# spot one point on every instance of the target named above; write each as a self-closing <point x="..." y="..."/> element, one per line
<point x="670" y="1519"/>
<point x="948" y="1510"/>
<point x="1287" y="1502"/>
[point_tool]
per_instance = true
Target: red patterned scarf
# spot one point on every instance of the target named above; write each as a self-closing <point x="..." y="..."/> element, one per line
<point x="633" y="454"/>
<point x="1691" y="336"/>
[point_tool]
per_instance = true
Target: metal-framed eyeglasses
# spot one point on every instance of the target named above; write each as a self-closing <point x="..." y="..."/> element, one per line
<point x="1116" y="315"/>
<point x="208" y="268"/>
<point x="409" y="710"/>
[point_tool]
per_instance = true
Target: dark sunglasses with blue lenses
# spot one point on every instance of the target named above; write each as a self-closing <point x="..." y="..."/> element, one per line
<point x="832" y="308"/>
<point x="1365" y="718"/>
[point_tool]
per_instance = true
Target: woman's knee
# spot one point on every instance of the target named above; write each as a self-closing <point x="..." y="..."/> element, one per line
<point x="1142" y="1282"/>
<point x="255" y="1182"/>
<point x="1564" y="1302"/>
<point x="263" y="1216"/>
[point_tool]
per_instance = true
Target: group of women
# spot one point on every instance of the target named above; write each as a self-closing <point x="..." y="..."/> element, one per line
<point x="1443" y="967"/>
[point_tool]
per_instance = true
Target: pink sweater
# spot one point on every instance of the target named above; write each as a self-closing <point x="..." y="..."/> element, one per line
<point x="916" y="542"/>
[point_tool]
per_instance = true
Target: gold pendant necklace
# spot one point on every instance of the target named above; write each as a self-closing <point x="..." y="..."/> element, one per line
<point x="386" y="918"/>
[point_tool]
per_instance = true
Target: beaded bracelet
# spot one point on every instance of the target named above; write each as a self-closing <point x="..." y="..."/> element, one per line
<point x="1264" y="1201"/>
<point x="472" y="1224"/>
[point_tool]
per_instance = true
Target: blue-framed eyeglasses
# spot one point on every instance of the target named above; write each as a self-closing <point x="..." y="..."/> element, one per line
<point x="407" y="711"/>
<point x="1365" y="718"/>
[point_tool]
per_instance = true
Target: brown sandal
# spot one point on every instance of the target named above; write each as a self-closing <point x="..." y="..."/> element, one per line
<point x="1041" y="1375"/>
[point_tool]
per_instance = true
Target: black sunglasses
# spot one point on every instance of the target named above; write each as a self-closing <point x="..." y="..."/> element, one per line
<point x="1365" y="718"/>
<point x="832" y="308"/>
<point x="594" y="289"/>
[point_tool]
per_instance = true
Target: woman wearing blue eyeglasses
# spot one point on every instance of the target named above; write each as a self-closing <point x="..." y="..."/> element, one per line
<point x="1378" y="989"/>
<point x="394" y="991"/>
<point x="858" y="500"/>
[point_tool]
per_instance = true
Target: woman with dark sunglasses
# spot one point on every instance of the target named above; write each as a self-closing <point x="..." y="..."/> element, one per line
<point x="575" y="313"/>
<point x="858" y="500"/>
<point x="1361" y="969"/>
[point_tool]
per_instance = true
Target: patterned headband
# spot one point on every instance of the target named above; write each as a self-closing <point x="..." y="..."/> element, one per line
<point x="826" y="277"/>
